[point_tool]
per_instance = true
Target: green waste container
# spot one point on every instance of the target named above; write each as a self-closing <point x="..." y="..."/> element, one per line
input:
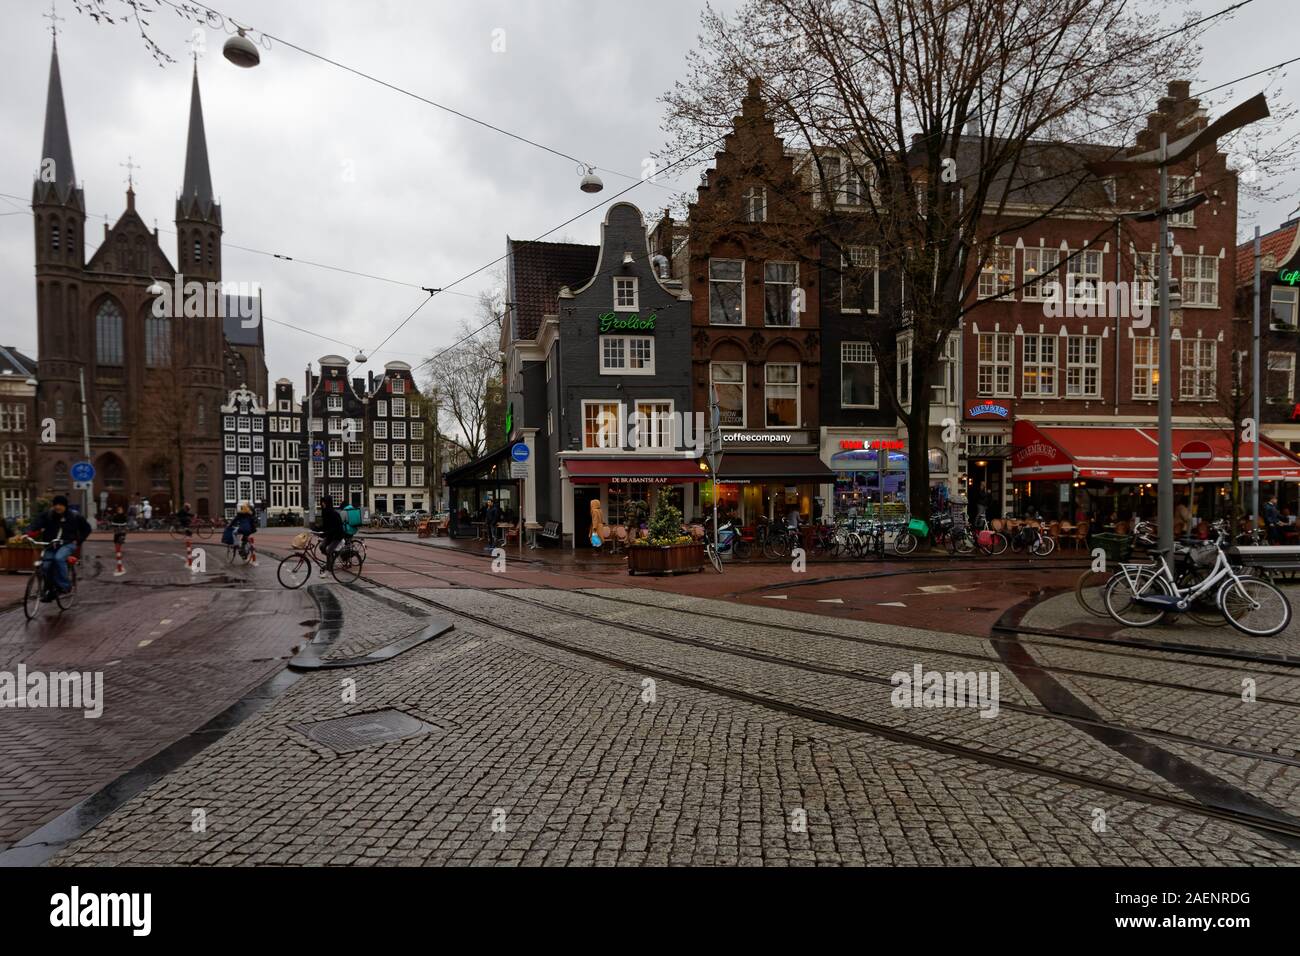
<point x="1118" y="547"/>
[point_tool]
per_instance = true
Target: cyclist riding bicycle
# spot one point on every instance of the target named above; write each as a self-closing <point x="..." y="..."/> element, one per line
<point x="59" y="524"/>
<point x="185" y="517"/>
<point x="332" y="531"/>
<point x="243" y="524"/>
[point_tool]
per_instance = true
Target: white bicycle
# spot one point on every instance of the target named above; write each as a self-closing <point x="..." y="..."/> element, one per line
<point x="1139" y="595"/>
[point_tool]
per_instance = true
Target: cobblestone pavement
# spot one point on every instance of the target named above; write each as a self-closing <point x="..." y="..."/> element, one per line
<point x="541" y="755"/>
<point x="174" y="650"/>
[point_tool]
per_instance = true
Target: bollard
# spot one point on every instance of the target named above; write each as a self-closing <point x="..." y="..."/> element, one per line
<point x="189" y="552"/>
<point x="252" y="551"/>
<point x="117" y="549"/>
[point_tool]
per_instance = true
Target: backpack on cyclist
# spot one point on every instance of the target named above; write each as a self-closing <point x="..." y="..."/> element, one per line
<point x="351" y="516"/>
<point x="228" y="536"/>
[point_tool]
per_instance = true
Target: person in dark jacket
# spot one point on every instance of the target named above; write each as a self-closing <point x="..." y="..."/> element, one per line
<point x="331" y="529"/>
<point x="58" y="523"/>
<point x="493" y="518"/>
<point x="185" y="517"/>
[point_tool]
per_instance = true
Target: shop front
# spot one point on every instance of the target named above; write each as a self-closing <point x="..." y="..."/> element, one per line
<point x="768" y="476"/>
<point x="1107" y="474"/>
<point x="470" y="488"/>
<point x="628" y="488"/>
<point x="870" y="475"/>
<point x="985" y="456"/>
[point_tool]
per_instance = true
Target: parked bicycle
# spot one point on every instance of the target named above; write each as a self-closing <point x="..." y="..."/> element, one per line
<point x="42" y="581"/>
<point x="1032" y="538"/>
<point x="295" y="569"/>
<point x="1140" y="595"/>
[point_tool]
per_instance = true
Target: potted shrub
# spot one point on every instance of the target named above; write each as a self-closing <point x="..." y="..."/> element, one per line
<point x="666" y="550"/>
<point x="19" y="554"/>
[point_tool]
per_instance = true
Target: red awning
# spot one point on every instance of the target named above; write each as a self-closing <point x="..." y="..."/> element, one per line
<point x="1128" y="455"/>
<point x="630" y="470"/>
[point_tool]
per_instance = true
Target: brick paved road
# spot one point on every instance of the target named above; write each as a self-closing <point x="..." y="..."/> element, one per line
<point x="174" y="651"/>
<point x="541" y="756"/>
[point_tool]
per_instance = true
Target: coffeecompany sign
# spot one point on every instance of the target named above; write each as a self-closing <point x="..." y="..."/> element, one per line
<point x="764" y="439"/>
<point x="613" y="322"/>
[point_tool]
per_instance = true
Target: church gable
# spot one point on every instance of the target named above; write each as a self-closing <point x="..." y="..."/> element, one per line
<point x="131" y="248"/>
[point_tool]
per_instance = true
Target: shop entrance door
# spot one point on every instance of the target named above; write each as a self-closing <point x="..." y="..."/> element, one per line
<point x="985" y="476"/>
<point x="582" y="499"/>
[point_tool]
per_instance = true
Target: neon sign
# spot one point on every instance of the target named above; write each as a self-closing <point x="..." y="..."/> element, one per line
<point x="1289" y="276"/>
<point x="612" y="322"/>
<point x="874" y="445"/>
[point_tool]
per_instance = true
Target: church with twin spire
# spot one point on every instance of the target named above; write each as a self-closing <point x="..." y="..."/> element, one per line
<point x="153" y="384"/>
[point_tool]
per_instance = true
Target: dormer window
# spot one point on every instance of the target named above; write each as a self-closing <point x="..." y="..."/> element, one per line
<point x="625" y="294"/>
<point x="755" y="204"/>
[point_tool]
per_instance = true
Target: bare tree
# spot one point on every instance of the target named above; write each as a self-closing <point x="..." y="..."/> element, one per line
<point x="167" y="419"/>
<point x="465" y="380"/>
<point x="944" y="112"/>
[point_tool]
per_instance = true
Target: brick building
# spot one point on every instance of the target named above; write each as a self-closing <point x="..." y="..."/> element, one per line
<point x="1044" y="373"/>
<point x="286" y="433"/>
<point x="19" y="432"/>
<point x="336" y="435"/>
<point x="401" y="471"/>
<point x="153" y="385"/>
<point x="752" y="267"/>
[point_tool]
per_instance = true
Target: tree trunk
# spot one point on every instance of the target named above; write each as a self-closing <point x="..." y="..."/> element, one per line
<point x="918" y="437"/>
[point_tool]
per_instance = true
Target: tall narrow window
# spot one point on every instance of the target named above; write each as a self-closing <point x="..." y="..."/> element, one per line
<point x="1083" y="279"/>
<point x="1145" y="363"/>
<point x="111" y="414"/>
<point x="781" y="392"/>
<point x="600" y="424"/>
<point x="1083" y="366"/>
<point x="1200" y="282"/>
<point x="1280" y="384"/>
<point x="859" y="279"/>
<point x="54" y="236"/>
<point x="1039" y="375"/>
<point x="157" y="341"/>
<point x="108" y="334"/>
<point x="779" y="284"/>
<point x="903" y="368"/>
<point x="1196" y="375"/>
<point x="625" y="294"/>
<point x="1180" y="188"/>
<point x="755" y="204"/>
<point x="993" y="372"/>
<point x="726" y="291"/>
<point x="1040" y="272"/>
<point x="728" y="381"/>
<point x="996" y="273"/>
<point x="858" y="382"/>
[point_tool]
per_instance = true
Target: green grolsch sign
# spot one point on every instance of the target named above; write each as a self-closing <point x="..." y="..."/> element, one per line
<point x="613" y="322"/>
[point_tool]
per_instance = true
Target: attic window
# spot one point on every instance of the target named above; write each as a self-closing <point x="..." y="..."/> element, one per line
<point x="755" y="204"/>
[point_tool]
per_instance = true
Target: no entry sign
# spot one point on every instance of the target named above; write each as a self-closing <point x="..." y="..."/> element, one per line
<point x="1196" y="455"/>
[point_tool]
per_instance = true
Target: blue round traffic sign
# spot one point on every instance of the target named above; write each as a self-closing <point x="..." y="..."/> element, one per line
<point x="519" y="451"/>
<point x="82" y="471"/>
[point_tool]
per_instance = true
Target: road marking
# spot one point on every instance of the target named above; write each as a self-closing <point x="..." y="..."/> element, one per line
<point x="830" y="600"/>
<point x="144" y="643"/>
<point x="165" y="620"/>
<point x="777" y="597"/>
<point x="891" y="604"/>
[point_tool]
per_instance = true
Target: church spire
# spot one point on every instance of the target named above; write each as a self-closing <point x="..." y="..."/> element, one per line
<point x="197" y="186"/>
<point x="56" y="149"/>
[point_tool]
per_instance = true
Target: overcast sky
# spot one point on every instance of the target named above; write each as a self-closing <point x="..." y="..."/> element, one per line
<point x="313" y="162"/>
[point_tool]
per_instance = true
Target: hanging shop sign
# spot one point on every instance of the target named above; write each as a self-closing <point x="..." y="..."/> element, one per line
<point x="875" y="444"/>
<point x="985" y="408"/>
<point x="614" y="322"/>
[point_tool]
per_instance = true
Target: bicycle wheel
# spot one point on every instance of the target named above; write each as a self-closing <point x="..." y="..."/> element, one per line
<point x="1205" y="609"/>
<point x="32" y="605"/>
<point x="177" y="532"/>
<point x="905" y="542"/>
<point x="204" y="529"/>
<point x="741" y="548"/>
<point x="294" y="571"/>
<point x="777" y="546"/>
<point x="1090" y="592"/>
<point x="997" y="544"/>
<point x="347" y="566"/>
<point x="715" y="559"/>
<point x="65" y="601"/>
<point x="1044" y="546"/>
<point x="1254" y="606"/>
<point x="962" y="542"/>
<point x="1121" y="598"/>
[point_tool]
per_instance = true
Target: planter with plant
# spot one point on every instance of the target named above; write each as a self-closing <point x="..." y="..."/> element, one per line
<point x="667" y="550"/>
<point x="19" y="554"/>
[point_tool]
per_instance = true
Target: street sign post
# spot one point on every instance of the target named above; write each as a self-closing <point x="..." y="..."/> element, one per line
<point x="519" y="452"/>
<point x="82" y="471"/>
<point x="1194" y="456"/>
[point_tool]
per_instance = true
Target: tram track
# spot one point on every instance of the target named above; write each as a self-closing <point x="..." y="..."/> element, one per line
<point x="1248" y="811"/>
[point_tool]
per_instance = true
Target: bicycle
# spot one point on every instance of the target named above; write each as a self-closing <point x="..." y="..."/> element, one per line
<point x="1141" y="595"/>
<point x="295" y="569"/>
<point x="199" y="527"/>
<point x="1032" y="539"/>
<point x="780" y="540"/>
<point x="909" y="536"/>
<point x="43" y="579"/>
<point x="988" y="540"/>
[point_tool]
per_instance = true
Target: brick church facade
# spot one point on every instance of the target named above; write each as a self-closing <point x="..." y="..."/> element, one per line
<point x="153" y="385"/>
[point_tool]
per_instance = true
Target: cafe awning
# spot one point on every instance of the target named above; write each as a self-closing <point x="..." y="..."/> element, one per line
<point x="774" y="468"/>
<point x="631" y="470"/>
<point x="1129" y="455"/>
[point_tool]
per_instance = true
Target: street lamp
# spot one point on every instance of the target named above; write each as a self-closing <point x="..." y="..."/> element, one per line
<point x="1169" y="154"/>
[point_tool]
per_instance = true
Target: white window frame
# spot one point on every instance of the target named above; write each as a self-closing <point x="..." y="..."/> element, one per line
<point x="1146" y="365"/>
<point x="1198" y="370"/>
<point x="1287" y="365"/>
<point x="604" y="405"/>
<point x="798" y="393"/>
<point x="870" y="259"/>
<point x="1198" y="290"/>
<point x="1036" y="289"/>
<point x="1079" y="369"/>
<point x="1084" y="271"/>
<point x="656" y="433"/>
<point x="739" y="283"/>
<point x="996" y="371"/>
<point x="625" y="345"/>
<point x="1293" y="307"/>
<point x="1001" y="261"/>
<point x="754" y="204"/>
<point x="1034" y="350"/>
<point x="622" y="301"/>
<point x="744" y="381"/>
<point x="1182" y="187"/>
<point x="862" y="354"/>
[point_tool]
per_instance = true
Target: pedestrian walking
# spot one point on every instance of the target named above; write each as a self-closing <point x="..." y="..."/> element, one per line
<point x="493" y="517"/>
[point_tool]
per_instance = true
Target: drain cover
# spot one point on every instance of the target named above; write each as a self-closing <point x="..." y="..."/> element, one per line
<point x="345" y="734"/>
